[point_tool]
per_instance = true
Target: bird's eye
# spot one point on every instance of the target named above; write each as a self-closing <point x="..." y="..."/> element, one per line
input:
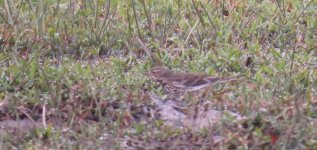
<point x="155" y="71"/>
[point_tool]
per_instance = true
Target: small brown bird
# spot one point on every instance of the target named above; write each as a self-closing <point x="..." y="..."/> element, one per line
<point x="188" y="82"/>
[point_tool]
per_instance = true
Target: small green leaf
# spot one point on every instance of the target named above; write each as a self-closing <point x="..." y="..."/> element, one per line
<point x="258" y="77"/>
<point x="281" y="64"/>
<point x="275" y="53"/>
<point x="258" y="132"/>
<point x="139" y="128"/>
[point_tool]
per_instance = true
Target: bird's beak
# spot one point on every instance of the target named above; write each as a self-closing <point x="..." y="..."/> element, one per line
<point x="148" y="74"/>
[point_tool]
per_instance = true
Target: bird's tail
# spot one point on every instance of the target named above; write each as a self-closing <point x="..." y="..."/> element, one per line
<point x="215" y="80"/>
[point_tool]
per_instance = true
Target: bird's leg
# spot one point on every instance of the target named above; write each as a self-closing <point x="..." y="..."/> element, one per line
<point x="207" y="92"/>
<point x="193" y="98"/>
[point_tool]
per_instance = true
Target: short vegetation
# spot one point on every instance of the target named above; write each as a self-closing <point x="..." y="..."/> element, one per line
<point x="74" y="73"/>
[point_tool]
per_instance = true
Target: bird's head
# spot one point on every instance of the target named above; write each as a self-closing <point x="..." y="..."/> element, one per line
<point x="159" y="72"/>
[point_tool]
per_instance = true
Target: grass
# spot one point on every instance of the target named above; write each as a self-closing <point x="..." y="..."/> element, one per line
<point x="82" y="64"/>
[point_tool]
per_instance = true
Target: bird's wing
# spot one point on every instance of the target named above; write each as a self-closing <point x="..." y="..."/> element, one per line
<point x="195" y="81"/>
<point x="216" y="80"/>
<point x="192" y="84"/>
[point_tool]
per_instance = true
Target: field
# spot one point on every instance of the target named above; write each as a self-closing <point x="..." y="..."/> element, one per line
<point x="75" y="74"/>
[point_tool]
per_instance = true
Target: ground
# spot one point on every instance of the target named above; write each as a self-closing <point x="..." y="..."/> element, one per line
<point x="74" y="74"/>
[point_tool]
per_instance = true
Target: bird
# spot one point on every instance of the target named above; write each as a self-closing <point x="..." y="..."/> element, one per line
<point x="186" y="82"/>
